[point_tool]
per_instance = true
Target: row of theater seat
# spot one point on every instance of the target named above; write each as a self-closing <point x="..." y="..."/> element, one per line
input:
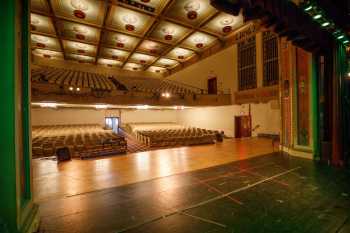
<point x="153" y="85"/>
<point x="83" y="140"/>
<point x="176" y="137"/>
<point x="73" y="78"/>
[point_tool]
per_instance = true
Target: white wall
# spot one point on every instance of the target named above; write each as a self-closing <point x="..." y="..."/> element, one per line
<point x="217" y="118"/>
<point x="222" y="118"/>
<point x="63" y="116"/>
<point x="148" y="116"/>
<point x="223" y="65"/>
<point x="46" y="116"/>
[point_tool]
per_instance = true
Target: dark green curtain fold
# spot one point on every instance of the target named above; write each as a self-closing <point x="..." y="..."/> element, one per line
<point x="341" y="68"/>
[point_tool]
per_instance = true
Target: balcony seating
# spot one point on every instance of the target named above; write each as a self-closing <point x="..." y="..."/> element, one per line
<point x="100" y="82"/>
<point x="83" y="140"/>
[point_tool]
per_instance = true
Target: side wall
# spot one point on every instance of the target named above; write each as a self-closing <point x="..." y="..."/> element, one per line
<point x="63" y="116"/>
<point x="266" y="115"/>
<point x="220" y="65"/>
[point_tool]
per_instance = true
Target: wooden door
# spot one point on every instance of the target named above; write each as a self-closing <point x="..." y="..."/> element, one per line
<point x="243" y="126"/>
<point x="212" y="86"/>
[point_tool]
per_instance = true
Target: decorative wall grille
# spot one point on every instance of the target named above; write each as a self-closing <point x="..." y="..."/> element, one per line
<point x="247" y="64"/>
<point x="270" y="59"/>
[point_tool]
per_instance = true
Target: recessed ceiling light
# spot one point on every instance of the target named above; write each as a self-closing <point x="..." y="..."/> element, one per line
<point x="317" y="16"/>
<point x="308" y="8"/>
<point x="101" y="106"/>
<point x="142" y="107"/>
<point x="48" y="105"/>
<point x="325" y="24"/>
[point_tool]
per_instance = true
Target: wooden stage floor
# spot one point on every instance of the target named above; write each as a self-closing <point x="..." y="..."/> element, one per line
<point x="239" y="192"/>
<point x="81" y="176"/>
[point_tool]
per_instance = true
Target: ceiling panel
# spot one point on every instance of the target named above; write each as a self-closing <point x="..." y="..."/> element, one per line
<point x="166" y="63"/>
<point x="169" y="32"/>
<point x="49" y="54"/>
<point x="109" y="62"/>
<point x="45" y="42"/>
<point x="152" y="47"/>
<point x="115" y="54"/>
<point x="77" y="31"/>
<point x="128" y="21"/>
<point x="147" y="35"/>
<point x="147" y="6"/>
<point x="85" y="11"/>
<point x="81" y="58"/>
<point x="193" y="12"/>
<point x="157" y="69"/>
<point x="224" y="24"/>
<point x="119" y="40"/>
<point x="180" y="54"/>
<point x="41" y="24"/>
<point x="133" y="66"/>
<point x="142" y="59"/>
<point x="79" y="48"/>
<point x="199" y="41"/>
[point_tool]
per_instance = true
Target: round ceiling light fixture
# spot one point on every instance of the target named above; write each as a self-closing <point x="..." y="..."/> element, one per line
<point x="120" y="41"/>
<point x="40" y="41"/>
<point x="168" y="32"/>
<point x="226" y="23"/>
<point x="180" y="53"/>
<point x="80" y="6"/>
<point x="80" y="32"/>
<point x="130" y="21"/>
<point x="192" y="8"/>
<point x="199" y="41"/>
<point x="153" y="47"/>
<point x="80" y="47"/>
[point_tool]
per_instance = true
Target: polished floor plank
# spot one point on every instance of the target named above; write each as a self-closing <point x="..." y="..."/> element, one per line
<point x="270" y="193"/>
<point x="52" y="180"/>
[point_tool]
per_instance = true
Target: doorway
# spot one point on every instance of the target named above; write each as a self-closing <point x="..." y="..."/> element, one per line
<point x="112" y="123"/>
<point x="212" y="86"/>
<point x="243" y="126"/>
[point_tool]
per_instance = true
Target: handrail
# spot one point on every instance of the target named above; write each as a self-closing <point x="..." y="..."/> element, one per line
<point x="205" y="91"/>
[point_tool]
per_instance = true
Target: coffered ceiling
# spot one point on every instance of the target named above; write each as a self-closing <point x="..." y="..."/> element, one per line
<point x="136" y="35"/>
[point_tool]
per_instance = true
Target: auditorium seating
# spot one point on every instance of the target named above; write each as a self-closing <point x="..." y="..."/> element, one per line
<point x="101" y="82"/>
<point x="152" y="85"/>
<point x="170" y="134"/>
<point x="83" y="140"/>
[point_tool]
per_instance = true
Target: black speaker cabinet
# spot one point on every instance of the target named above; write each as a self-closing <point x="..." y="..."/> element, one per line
<point x="63" y="154"/>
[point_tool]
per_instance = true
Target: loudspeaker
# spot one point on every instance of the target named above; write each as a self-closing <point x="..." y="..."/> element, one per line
<point x="63" y="154"/>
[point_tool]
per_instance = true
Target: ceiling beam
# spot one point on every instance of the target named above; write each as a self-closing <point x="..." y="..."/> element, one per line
<point x="54" y="22"/>
<point x="106" y="13"/>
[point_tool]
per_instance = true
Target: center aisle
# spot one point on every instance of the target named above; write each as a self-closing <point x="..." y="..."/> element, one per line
<point x="133" y="145"/>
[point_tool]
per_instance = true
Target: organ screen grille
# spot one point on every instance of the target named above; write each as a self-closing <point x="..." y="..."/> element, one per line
<point x="247" y="64"/>
<point x="270" y="59"/>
